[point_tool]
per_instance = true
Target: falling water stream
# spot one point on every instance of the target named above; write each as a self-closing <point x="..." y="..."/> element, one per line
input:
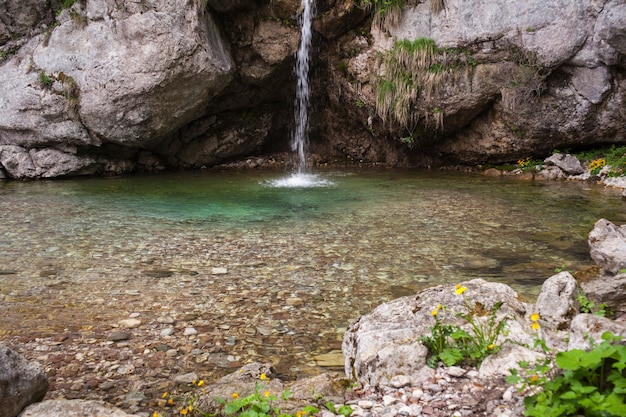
<point x="302" y="178"/>
<point x="299" y="142"/>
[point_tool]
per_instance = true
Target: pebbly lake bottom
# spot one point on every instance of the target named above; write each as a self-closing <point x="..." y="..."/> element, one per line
<point x="216" y="269"/>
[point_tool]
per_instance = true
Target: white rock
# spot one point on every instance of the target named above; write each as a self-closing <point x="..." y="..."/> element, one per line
<point x="219" y="271"/>
<point x="189" y="331"/>
<point x="417" y="394"/>
<point x="167" y="332"/>
<point x="365" y="404"/>
<point x="456" y="371"/>
<point x="389" y="399"/>
<point x="400" y="381"/>
<point x="129" y="323"/>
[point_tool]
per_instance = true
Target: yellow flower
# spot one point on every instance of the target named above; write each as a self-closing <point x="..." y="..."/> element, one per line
<point x="535" y="325"/>
<point x="170" y="401"/>
<point x="235" y="395"/>
<point x="164" y="395"/>
<point x="200" y="383"/>
<point x="490" y="346"/>
<point x="534" y="378"/>
<point x="434" y="313"/>
<point x="190" y="408"/>
<point x="267" y="393"/>
<point x="460" y="289"/>
<point x="183" y="411"/>
<point x="155" y="414"/>
<point x="534" y="316"/>
<point x="439" y="306"/>
<point x="263" y="377"/>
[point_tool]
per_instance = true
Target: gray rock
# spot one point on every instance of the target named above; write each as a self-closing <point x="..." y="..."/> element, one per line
<point x="73" y="408"/>
<point x="186" y="379"/>
<point x="607" y="243"/>
<point x="21" y="383"/>
<point x="119" y="336"/>
<point x="608" y="289"/>
<point x="566" y="162"/>
<point x="593" y="84"/>
<point x="611" y="26"/>
<point x="18" y="17"/>
<point x="383" y="343"/>
<point x="500" y="363"/>
<point x="136" y="77"/>
<point x="552" y="173"/>
<point x="557" y="302"/>
<point x="550" y="33"/>
<point x="586" y="330"/>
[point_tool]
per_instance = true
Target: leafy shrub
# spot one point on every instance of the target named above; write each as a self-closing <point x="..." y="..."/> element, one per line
<point x="452" y="345"/>
<point x="591" y="383"/>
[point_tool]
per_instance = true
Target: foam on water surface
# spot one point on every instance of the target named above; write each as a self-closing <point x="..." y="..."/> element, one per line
<point x="300" y="181"/>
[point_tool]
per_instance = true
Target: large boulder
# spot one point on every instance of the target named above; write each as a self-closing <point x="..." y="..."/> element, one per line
<point x="569" y="164"/>
<point x="384" y="343"/>
<point x="21" y="383"/>
<point x="557" y="302"/>
<point x="586" y="330"/>
<point x="607" y="244"/>
<point x="109" y="74"/>
<point x="610" y="290"/>
<point x="73" y="408"/>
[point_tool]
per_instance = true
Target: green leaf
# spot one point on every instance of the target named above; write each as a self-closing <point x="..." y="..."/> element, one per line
<point x="345" y="410"/>
<point x="232" y="407"/>
<point x="569" y="395"/>
<point x="451" y="356"/>
<point x="285" y="395"/>
<point x="570" y="359"/>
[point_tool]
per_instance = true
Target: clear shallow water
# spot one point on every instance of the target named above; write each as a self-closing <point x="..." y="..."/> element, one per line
<point x="302" y="262"/>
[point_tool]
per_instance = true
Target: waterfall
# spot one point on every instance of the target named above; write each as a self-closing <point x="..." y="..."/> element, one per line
<point x="300" y="140"/>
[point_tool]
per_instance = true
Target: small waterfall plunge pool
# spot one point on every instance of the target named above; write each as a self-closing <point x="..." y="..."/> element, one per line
<point x="272" y="273"/>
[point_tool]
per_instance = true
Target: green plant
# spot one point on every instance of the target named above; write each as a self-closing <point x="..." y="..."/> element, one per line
<point x="589" y="307"/>
<point x="79" y="19"/>
<point x="592" y="383"/>
<point x="452" y="344"/>
<point x="261" y="403"/>
<point x="412" y="72"/>
<point x="611" y="160"/>
<point x="360" y="104"/>
<point x="528" y="164"/>
<point x="344" y="410"/>
<point x="46" y="81"/>
<point x="386" y="13"/>
<point x="596" y="165"/>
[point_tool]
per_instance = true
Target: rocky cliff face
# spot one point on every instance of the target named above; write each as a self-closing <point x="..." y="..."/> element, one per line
<point x="112" y="86"/>
<point x="516" y="79"/>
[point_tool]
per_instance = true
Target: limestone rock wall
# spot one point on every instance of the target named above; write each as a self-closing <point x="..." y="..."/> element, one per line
<point x="529" y="77"/>
<point x="112" y="86"/>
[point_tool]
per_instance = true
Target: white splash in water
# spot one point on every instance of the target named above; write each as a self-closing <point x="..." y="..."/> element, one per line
<point x="300" y="181"/>
<point x="300" y="140"/>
